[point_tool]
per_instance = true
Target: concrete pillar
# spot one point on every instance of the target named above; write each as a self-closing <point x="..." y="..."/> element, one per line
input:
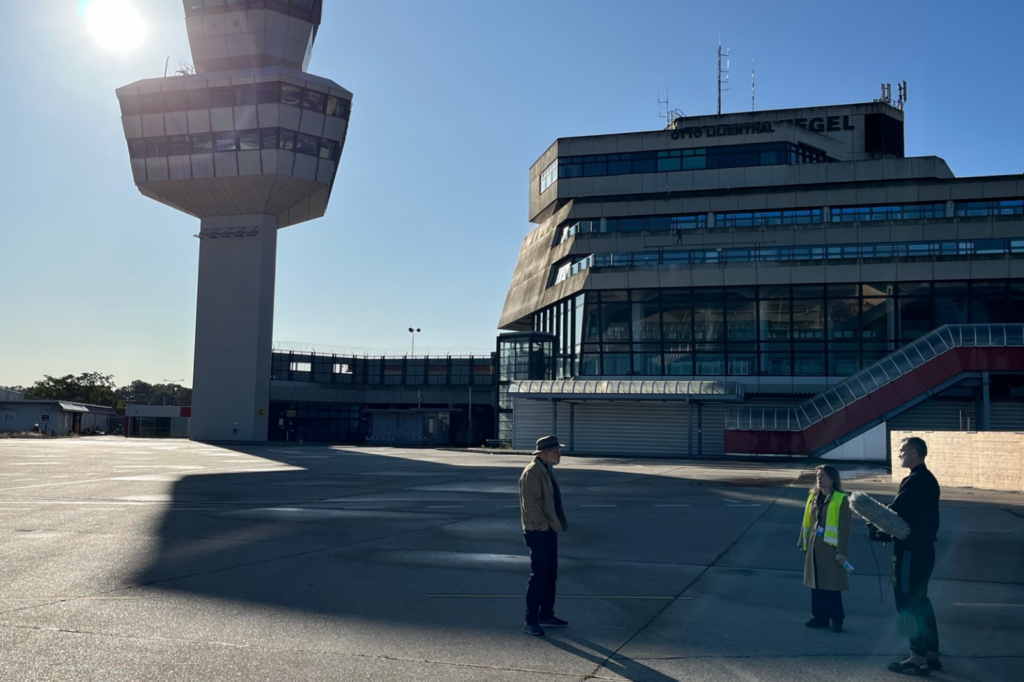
<point x="985" y="414"/>
<point x="234" y="329"/>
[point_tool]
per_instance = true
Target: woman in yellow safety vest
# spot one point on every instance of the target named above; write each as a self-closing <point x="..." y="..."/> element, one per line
<point x="825" y="541"/>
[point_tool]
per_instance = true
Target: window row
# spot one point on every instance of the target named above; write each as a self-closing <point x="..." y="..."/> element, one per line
<point x="232" y="141"/>
<point x="326" y="369"/>
<point x="845" y="252"/>
<point x="855" y="214"/>
<point x="573" y="266"/>
<point x="807" y="216"/>
<point x="724" y="156"/>
<point x="972" y="209"/>
<point x="303" y="9"/>
<point x="228" y="96"/>
<point x="682" y="364"/>
<point x="638" y="224"/>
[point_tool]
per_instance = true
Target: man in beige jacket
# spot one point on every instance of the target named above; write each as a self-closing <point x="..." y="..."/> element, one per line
<point x="540" y="507"/>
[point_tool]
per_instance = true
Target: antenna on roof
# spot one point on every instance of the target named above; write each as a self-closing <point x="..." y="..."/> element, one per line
<point x="751" y="84"/>
<point x="901" y="88"/>
<point x="670" y="115"/>
<point x="723" y="74"/>
<point x="166" y="65"/>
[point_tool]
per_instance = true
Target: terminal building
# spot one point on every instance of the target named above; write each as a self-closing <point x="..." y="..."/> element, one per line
<point x="771" y="282"/>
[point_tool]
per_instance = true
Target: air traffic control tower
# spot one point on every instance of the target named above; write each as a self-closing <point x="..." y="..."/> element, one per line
<point x="249" y="144"/>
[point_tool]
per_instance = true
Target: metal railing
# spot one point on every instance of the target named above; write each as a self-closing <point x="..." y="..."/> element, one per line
<point x="885" y="371"/>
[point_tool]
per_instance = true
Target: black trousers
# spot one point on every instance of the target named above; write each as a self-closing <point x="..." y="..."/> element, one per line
<point x="826" y="604"/>
<point x="540" y="593"/>
<point x="912" y="571"/>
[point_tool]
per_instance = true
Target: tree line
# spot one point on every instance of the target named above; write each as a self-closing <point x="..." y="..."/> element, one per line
<point x="95" y="388"/>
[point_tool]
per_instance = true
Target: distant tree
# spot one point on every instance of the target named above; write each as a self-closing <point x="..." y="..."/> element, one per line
<point x="140" y="392"/>
<point x="93" y="388"/>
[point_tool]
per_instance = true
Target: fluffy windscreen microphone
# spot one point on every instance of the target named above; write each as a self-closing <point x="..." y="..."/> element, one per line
<point x="877" y="514"/>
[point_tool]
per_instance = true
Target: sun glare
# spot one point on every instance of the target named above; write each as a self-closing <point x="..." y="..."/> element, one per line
<point x="115" y="25"/>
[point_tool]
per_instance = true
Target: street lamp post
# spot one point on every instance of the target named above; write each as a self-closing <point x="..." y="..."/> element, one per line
<point x="414" y="332"/>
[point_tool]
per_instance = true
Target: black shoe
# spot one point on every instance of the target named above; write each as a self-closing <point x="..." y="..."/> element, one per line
<point x="817" y="623"/>
<point x="553" y="622"/>
<point x="907" y="665"/>
<point x="934" y="664"/>
<point x="533" y="629"/>
<point x="837" y="626"/>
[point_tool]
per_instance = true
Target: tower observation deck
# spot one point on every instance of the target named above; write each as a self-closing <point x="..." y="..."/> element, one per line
<point x="249" y="144"/>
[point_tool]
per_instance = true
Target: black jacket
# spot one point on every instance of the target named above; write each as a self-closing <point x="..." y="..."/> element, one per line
<point x="917" y="503"/>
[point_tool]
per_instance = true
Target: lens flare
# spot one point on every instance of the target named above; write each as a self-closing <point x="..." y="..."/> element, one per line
<point x="115" y="25"/>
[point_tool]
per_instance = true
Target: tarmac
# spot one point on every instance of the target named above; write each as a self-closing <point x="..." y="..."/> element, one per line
<point x="171" y="560"/>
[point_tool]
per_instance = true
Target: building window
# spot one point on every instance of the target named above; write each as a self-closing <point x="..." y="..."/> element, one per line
<point x="548" y="176"/>
<point x="300" y="366"/>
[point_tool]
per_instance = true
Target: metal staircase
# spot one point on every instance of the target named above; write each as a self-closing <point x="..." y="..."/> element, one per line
<point x="894" y="384"/>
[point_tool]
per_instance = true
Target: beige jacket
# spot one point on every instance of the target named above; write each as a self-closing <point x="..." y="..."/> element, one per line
<point x="537" y="499"/>
<point x="830" y="574"/>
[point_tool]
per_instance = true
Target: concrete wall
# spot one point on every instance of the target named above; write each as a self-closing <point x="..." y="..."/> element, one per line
<point x="992" y="460"/>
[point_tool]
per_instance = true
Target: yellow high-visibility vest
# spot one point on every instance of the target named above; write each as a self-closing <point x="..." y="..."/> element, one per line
<point x="831" y="534"/>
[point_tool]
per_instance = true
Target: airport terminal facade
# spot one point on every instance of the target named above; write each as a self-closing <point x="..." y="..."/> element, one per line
<point x="684" y="276"/>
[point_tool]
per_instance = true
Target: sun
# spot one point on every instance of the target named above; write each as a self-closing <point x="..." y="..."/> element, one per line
<point x="115" y="25"/>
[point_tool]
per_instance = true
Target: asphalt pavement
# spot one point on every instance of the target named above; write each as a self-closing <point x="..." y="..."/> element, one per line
<point x="171" y="560"/>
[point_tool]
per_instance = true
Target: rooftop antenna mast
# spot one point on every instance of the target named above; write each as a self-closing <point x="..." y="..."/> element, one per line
<point x="668" y="112"/>
<point x="752" y="85"/>
<point x="723" y="75"/>
<point x="901" y="89"/>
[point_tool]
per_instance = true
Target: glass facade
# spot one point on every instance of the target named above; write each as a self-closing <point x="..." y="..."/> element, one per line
<point x="724" y="156"/>
<point x="798" y="330"/>
<point x="232" y="141"/>
<point x="522" y="356"/>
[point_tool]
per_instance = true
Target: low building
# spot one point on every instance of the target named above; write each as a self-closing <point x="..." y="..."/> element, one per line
<point x="156" y="421"/>
<point x="55" y="417"/>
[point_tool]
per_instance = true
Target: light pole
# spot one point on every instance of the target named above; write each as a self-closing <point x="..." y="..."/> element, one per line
<point x="414" y="332"/>
<point x="174" y="384"/>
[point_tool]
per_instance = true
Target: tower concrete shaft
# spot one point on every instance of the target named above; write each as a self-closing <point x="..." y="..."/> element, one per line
<point x="249" y="143"/>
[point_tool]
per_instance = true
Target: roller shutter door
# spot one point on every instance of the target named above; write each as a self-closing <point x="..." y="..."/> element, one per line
<point x="1007" y="415"/>
<point x="531" y="419"/>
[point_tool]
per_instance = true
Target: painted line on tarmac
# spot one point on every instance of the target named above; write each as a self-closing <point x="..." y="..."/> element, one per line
<point x="561" y="596"/>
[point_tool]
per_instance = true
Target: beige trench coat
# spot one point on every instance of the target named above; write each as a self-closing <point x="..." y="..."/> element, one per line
<point x="831" y="574"/>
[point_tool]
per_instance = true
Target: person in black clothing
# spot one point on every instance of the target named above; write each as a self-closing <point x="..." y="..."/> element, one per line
<point x="917" y="503"/>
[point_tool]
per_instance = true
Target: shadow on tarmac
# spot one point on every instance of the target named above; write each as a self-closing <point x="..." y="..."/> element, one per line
<point x="434" y="545"/>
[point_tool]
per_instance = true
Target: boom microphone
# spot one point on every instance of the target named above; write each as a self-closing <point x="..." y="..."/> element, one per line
<point x="878" y="515"/>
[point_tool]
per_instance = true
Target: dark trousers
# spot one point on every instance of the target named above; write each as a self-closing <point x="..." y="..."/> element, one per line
<point x="540" y="594"/>
<point x="912" y="569"/>
<point x="826" y="604"/>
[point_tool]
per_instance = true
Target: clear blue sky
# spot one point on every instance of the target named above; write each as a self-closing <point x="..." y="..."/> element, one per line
<point x="454" y="99"/>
